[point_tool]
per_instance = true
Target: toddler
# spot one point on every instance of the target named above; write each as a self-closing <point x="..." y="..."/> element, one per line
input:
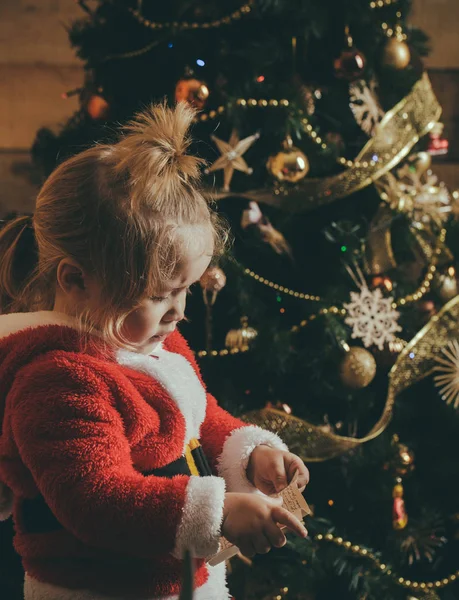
<point x="114" y="459"/>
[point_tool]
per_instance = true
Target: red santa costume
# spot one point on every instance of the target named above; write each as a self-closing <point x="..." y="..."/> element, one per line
<point x="103" y="454"/>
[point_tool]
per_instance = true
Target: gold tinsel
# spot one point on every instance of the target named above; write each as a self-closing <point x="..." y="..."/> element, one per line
<point x="415" y="362"/>
<point x="400" y="129"/>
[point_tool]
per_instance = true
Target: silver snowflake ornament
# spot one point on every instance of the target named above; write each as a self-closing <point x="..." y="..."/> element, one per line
<point x="372" y="317"/>
<point x="447" y="381"/>
<point x="365" y="106"/>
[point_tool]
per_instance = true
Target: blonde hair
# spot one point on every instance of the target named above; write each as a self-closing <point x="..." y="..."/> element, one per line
<point x="121" y="211"/>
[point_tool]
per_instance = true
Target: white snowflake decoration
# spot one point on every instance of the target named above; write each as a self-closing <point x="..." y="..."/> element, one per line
<point x="365" y="106"/>
<point x="372" y="317"/>
<point x="418" y="192"/>
<point x="430" y="196"/>
<point x="447" y="366"/>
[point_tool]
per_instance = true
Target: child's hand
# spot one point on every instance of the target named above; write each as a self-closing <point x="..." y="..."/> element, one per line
<point x="252" y="522"/>
<point x="271" y="470"/>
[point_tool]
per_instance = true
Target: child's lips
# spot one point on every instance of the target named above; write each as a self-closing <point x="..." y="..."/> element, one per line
<point x="161" y="337"/>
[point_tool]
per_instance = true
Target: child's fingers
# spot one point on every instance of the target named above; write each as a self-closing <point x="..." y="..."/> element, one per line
<point x="296" y="464"/>
<point x="283" y="517"/>
<point x="274" y="500"/>
<point x="277" y="473"/>
<point x="275" y="535"/>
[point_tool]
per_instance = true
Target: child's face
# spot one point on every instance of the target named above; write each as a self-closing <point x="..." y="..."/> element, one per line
<point x="157" y="317"/>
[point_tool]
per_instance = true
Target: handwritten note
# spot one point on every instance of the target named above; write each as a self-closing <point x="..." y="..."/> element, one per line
<point x="293" y="501"/>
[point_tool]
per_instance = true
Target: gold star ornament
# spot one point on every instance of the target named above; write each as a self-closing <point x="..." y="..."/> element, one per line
<point x="231" y="156"/>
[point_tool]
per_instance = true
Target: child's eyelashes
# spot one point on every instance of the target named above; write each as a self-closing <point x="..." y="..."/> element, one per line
<point x="175" y="292"/>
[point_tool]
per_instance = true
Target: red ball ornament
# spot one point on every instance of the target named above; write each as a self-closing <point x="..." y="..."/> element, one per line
<point x="213" y="280"/>
<point x="427" y="309"/>
<point x="97" y="107"/>
<point x="350" y="65"/>
<point x="193" y="91"/>
<point x="383" y="282"/>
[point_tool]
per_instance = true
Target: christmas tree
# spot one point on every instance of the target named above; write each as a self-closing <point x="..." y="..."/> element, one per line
<point x="332" y="319"/>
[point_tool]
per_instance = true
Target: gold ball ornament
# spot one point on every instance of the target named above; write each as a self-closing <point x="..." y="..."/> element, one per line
<point x="445" y="285"/>
<point x="193" y="91"/>
<point x="290" y="164"/>
<point x="396" y="54"/>
<point x="358" y="368"/>
<point x="240" y="339"/>
<point x="213" y="279"/>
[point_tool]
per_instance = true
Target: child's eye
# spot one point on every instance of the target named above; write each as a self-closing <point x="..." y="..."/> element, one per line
<point x="159" y="298"/>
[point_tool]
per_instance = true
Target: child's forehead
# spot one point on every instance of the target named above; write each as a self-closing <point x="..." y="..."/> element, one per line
<point x="196" y="253"/>
<point x="189" y="270"/>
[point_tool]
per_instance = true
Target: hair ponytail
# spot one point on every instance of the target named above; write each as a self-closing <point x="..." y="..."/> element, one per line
<point x="18" y="260"/>
<point x="152" y="157"/>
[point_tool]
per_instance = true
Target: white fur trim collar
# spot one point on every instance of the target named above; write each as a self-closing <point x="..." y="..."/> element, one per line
<point x="179" y="379"/>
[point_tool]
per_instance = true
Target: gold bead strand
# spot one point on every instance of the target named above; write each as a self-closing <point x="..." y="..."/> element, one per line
<point x="424" y="286"/>
<point x="281" y="288"/>
<point x="364" y="553"/>
<point x="245" y="9"/>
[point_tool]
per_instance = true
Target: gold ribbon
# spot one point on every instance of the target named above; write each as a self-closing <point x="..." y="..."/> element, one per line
<point x="311" y="442"/>
<point x="400" y="129"/>
<point x="416" y="361"/>
<point x="379" y="255"/>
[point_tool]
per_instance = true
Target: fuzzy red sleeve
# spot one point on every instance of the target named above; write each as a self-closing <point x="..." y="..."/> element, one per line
<point x="71" y="438"/>
<point x="216" y="428"/>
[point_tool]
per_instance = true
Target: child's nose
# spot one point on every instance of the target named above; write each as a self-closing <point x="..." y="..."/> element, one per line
<point x="176" y="312"/>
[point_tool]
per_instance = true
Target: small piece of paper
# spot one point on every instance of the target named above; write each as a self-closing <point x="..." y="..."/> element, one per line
<point x="293" y="501"/>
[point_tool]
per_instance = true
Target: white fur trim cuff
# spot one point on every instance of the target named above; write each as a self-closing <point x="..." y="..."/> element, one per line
<point x="199" y="529"/>
<point x="233" y="461"/>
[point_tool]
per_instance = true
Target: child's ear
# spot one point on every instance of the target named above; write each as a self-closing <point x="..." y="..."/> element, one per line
<point x="71" y="279"/>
